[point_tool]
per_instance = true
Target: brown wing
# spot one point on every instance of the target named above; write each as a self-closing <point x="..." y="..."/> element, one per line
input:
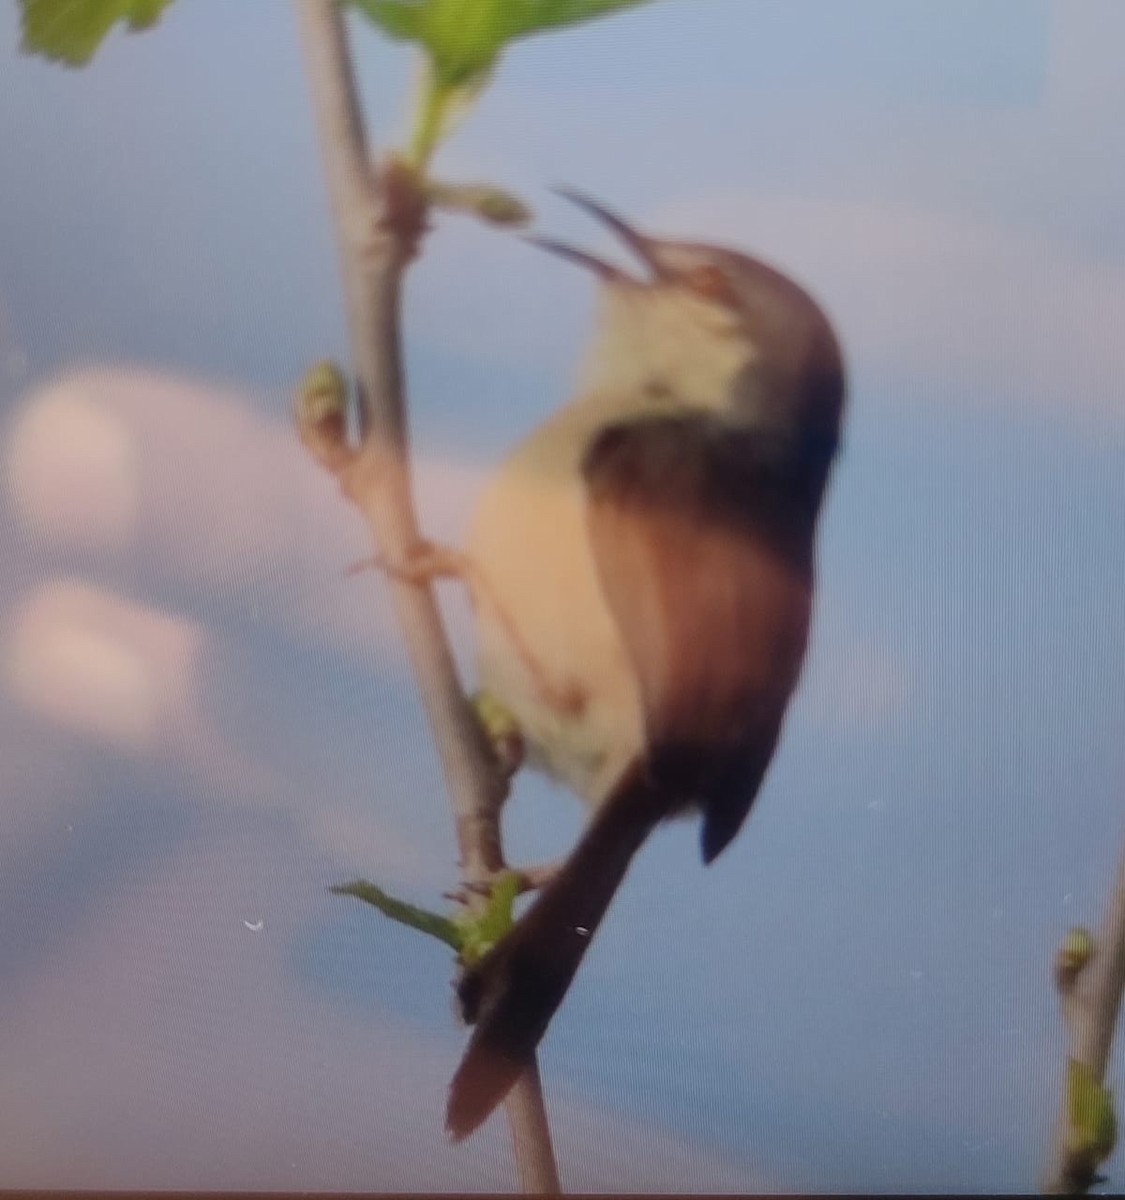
<point x="704" y="549"/>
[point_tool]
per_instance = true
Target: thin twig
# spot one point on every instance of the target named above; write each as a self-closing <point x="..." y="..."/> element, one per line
<point x="1091" y="999"/>
<point x="379" y="220"/>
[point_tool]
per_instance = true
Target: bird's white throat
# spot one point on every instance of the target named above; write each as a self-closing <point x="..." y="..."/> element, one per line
<point x="663" y="348"/>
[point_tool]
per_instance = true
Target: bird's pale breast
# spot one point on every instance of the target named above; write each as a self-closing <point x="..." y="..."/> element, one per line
<point x="569" y="683"/>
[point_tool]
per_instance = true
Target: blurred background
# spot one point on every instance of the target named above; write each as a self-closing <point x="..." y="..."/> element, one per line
<point x="204" y="724"/>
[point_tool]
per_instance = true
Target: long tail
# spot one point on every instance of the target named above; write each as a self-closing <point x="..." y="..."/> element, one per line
<point x="513" y="992"/>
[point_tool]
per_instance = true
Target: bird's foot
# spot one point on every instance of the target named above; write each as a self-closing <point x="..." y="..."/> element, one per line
<point x="510" y="881"/>
<point x="534" y="878"/>
<point x="423" y="563"/>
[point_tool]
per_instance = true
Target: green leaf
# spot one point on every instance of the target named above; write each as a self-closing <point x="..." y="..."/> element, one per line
<point x="534" y="16"/>
<point x="70" y="31"/>
<point x="464" y="38"/>
<point x="421" y="919"/>
<point x="471" y="934"/>
<point x="1092" y="1120"/>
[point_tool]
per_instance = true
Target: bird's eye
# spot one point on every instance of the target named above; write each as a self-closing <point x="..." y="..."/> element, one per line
<point x="712" y="283"/>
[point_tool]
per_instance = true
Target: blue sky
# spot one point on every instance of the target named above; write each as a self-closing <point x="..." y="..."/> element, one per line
<point x="203" y="724"/>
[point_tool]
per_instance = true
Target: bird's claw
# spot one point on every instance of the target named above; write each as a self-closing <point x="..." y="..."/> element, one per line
<point x="526" y="879"/>
<point x="423" y="563"/>
<point x="470" y="889"/>
<point x="533" y="879"/>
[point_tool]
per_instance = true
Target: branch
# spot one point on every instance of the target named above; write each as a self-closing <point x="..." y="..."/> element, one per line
<point x="379" y="220"/>
<point x="1091" y="978"/>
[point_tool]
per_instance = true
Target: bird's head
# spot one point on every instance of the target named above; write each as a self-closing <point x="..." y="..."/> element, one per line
<point x="707" y="327"/>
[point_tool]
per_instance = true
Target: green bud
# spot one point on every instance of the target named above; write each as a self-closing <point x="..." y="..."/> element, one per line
<point x="322" y="394"/>
<point x="1092" y="1131"/>
<point x="491" y="204"/>
<point x="1075" y="952"/>
<point x="321" y="409"/>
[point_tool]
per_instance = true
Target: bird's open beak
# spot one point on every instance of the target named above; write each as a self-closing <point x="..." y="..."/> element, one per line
<point x="605" y="271"/>
<point x="635" y="241"/>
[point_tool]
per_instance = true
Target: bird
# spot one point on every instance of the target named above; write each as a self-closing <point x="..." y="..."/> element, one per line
<point x="648" y="556"/>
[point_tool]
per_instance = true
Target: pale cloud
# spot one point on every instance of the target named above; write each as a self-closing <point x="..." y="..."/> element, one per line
<point x="185" y="481"/>
<point x="73" y="472"/>
<point x="99" y="666"/>
<point x="127" y="677"/>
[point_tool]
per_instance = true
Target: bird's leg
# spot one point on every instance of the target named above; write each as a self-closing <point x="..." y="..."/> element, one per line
<point x="533" y="878"/>
<point x="528" y="879"/>
<point x="428" y="561"/>
<point x="424" y="563"/>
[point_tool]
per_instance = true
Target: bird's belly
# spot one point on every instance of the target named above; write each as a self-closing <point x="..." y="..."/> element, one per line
<point x="548" y="648"/>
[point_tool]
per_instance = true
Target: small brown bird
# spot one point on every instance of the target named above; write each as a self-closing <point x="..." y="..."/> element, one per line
<point x="651" y="550"/>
